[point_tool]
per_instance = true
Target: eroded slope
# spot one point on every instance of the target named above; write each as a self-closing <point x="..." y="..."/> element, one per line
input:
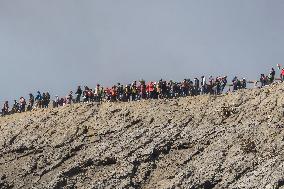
<point x="180" y="143"/>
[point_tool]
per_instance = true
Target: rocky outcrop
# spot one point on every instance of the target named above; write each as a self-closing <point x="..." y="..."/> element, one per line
<point x="229" y="141"/>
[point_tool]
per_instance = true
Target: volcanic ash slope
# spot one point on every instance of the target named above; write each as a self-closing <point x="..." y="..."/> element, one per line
<point x="179" y="143"/>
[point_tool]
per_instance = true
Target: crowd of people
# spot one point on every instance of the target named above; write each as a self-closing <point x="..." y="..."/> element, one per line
<point x="40" y="101"/>
<point x="151" y="90"/>
<point x="141" y="90"/>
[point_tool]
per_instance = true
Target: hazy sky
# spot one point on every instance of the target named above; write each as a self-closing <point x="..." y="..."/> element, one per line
<point x="56" y="45"/>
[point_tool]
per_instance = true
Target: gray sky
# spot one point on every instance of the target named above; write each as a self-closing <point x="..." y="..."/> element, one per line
<point x="56" y="45"/>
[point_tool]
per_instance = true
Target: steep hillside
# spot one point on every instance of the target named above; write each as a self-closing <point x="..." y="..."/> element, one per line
<point x="181" y="143"/>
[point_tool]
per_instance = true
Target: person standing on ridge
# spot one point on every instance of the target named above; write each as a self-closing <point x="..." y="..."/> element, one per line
<point x="224" y="82"/>
<point x="56" y="101"/>
<point x="271" y="76"/>
<point x="22" y="103"/>
<point x="282" y="74"/>
<point x="196" y="86"/>
<point x="134" y="91"/>
<point x="142" y="90"/>
<point x="244" y="83"/>
<point x="203" y="85"/>
<point x="78" y="93"/>
<point x="69" y="98"/>
<point x="97" y="93"/>
<point x="31" y="100"/>
<point x="38" y="100"/>
<point x="47" y="99"/>
<point x="114" y="93"/>
<point x="235" y="83"/>
<point x="15" y="108"/>
<point x="5" y="109"/>
<point x="44" y="100"/>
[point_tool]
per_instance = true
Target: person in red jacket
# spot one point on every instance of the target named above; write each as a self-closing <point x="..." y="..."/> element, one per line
<point x="142" y="90"/>
<point x="114" y="93"/>
<point x="107" y="94"/>
<point x="282" y="74"/>
<point x="151" y="89"/>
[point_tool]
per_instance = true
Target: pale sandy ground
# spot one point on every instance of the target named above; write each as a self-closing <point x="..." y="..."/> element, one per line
<point x="181" y="143"/>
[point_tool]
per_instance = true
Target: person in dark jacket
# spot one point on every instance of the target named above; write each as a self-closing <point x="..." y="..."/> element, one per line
<point x="44" y="100"/>
<point x="16" y="106"/>
<point x="244" y="83"/>
<point x="31" y="100"/>
<point x="78" y="93"/>
<point x="5" y="109"/>
<point x="47" y="99"/>
<point x="22" y="104"/>
<point x="38" y="100"/>
<point x="271" y="76"/>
